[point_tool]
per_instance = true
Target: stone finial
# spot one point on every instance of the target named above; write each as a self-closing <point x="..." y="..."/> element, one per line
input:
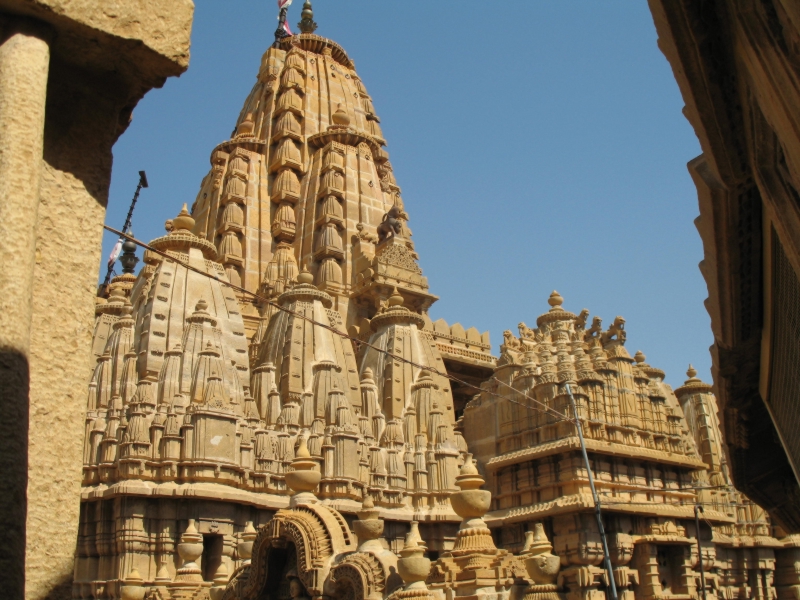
<point x="639" y="357"/>
<point x="471" y="503"/>
<point x="368" y="527"/>
<point x="221" y="577"/>
<point x="307" y="24"/>
<point x="395" y="299"/>
<point x="541" y="564"/>
<point x="691" y="372"/>
<point x="245" y="545"/>
<point x="128" y="259"/>
<point x="184" y="221"/>
<point x="413" y="567"/>
<point x="303" y="478"/>
<point x="246" y="127"/>
<point x="536" y="541"/>
<point x="305" y="277"/>
<point x="132" y="587"/>
<point x="368" y="376"/>
<point x="555" y="301"/>
<point x="190" y="548"/>
<point x="340" y="117"/>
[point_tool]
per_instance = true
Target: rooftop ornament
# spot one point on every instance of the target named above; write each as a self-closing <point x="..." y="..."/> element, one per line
<point x="307" y="24"/>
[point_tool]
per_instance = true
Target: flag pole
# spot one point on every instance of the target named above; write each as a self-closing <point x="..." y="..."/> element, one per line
<point x="127" y="225"/>
<point x="280" y="32"/>
<point x="606" y="555"/>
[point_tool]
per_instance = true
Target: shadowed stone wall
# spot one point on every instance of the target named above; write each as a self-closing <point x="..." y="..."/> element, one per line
<point x="70" y="76"/>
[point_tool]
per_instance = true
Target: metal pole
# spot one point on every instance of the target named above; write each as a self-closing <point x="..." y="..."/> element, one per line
<point x="127" y="225"/>
<point x="697" y="510"/>
<point x="280" y="33"/>
<point x="598" y="515"/>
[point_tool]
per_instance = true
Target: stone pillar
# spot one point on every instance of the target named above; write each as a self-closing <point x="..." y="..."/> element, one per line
<point x="24" y="64"/>
<point x="64" y="100"/>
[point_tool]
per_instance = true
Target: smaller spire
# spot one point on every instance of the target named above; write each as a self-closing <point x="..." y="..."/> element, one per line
<point x="307" y="24"/>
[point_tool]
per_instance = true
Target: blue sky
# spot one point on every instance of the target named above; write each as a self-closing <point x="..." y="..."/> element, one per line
<point x="539" y="146"/>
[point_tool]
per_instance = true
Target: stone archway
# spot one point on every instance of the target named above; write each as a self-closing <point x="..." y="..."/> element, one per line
<point x="301" y="542"/>
<point x="281" y="561"/>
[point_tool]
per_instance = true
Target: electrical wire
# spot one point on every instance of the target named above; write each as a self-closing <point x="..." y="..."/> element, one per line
<point x="546" y="409"/>
<point x="341" y="334"/>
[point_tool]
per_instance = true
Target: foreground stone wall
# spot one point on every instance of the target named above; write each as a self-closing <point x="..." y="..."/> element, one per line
<point x="70" y="75"/>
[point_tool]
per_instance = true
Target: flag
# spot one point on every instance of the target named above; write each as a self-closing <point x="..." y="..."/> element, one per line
<point x="286" y="28"/>
<point x="112" y="258"/>
<point x="282" y="3"/>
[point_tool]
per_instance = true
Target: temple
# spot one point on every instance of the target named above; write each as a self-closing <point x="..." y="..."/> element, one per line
<point x="309" y="432"/>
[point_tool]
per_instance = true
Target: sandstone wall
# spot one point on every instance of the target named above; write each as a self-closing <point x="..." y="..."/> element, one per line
<point x="70" y="75"/>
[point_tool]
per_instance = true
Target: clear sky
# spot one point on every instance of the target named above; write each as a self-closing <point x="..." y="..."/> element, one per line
<point x="539" y="146"/>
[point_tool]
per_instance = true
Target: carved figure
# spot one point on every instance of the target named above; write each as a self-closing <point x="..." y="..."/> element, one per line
<point x="594" y="330"/>
<point x="525" y="332"/>
<point x="391" y="225"/>
<point x="510" y="341"/>
<point x="615" y="332"/>
<point x="296" y="589"/>
<point x="580" y="322"/>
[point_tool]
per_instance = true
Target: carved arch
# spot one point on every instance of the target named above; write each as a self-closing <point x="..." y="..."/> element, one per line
<point x="362" y="575"/>
<point x="315" y="534"/>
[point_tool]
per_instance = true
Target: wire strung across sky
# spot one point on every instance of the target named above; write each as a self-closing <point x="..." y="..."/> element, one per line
<point x="546" y="409"/>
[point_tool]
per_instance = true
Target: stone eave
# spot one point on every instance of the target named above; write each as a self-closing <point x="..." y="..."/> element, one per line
<point x="316" y="43"/>
<point x="223" y="493"/>
<point x="343" y="135"/>
<point x="600" y="447"/>
<point x="571" y="503"/>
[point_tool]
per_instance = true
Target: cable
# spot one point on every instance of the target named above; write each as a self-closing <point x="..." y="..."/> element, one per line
<point x="341" y="334"/>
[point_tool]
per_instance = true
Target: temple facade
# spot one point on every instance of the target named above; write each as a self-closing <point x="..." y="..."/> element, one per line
<point x="273" y="414"/>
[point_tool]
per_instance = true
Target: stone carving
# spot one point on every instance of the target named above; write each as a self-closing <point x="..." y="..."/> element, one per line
<point x="391" y="224"/>
<point x="399" y="256"/>
<point x="229" y="443"/>
<point x="656" y="442"/>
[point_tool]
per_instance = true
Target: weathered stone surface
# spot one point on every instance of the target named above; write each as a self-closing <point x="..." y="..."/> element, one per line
<point x="78" y="70"/>
<point x="301" y="207"/>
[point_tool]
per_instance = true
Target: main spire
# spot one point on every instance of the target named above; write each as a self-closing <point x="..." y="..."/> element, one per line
<point x="305" y="179"/>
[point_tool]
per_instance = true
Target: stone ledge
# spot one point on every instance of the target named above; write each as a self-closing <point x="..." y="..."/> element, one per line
<point x="573" y="443"/>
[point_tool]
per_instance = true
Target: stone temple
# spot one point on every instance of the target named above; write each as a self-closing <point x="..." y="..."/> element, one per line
<point x="273" y="414"/>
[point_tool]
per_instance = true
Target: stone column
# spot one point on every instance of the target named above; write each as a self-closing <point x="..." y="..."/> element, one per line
<point x="24" y="65"/>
